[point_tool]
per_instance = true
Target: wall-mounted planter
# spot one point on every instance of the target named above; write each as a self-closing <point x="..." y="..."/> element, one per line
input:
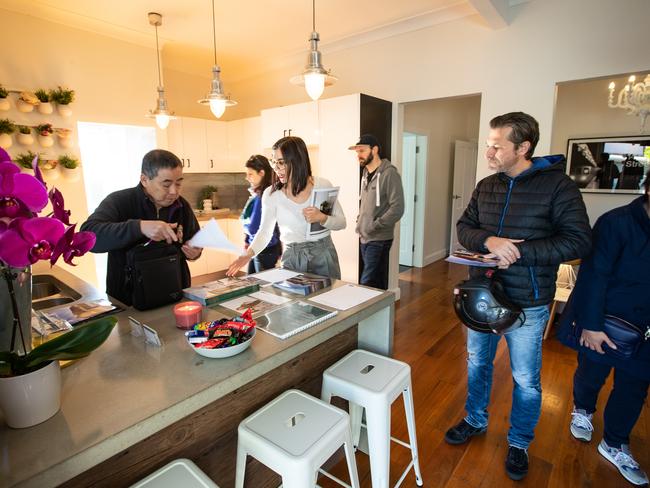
<point x="64" y="110"/>
<point x="46" y="141"/>
<point x="65" y="142"/>
<point x="50" y="170"/>
<point x="24" y="106"/>
<point x="5" y="141"/>
<point x="45" y="108"/>
<point x="25" y="139"/>
<point x="4" y="104"/>
<point x="70" y="175"/>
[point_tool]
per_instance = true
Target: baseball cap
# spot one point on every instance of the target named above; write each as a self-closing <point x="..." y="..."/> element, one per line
<point x="366" y="140"/>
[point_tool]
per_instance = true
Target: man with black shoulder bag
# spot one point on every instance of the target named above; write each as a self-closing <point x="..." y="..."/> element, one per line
<point x="144" y="230"/>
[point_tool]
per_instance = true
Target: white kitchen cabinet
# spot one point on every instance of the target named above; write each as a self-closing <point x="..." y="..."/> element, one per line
<point x="217" y="146"/>
<point x="300" y="120"/>
<point x="195" y="152"/>
<point x="175" y="137"/>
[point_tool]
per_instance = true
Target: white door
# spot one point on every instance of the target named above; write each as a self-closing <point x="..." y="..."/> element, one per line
<point x="465" y="155"/>
<point x="409" y="155"/>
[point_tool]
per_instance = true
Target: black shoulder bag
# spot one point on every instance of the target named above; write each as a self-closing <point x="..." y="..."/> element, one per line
<point x="154" y="274"/>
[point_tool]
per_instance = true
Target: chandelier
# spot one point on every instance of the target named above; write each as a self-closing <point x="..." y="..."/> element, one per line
<point x="633" y="97"/>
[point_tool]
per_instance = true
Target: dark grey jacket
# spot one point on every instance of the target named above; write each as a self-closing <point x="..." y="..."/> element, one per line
<point x="381" y="203"/>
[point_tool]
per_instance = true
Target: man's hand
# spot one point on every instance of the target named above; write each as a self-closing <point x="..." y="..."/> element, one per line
<point x="594" y="340"/>
<point x="192" y="253"/>
<point x="157" y="230"/>
<point x="312" y="214"/>
<point x="504" y="249"/>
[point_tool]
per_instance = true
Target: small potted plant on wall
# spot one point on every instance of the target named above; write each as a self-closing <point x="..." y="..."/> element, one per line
<point x="48" y="168"/>
<point x="7" y="127"/>
<point x="45" y="132"/>
<point x="63" y="98"/>
<point x="65" y="137"/>
<point x="4" y="99"/>
<point x="45" y="107"/>
<point x="26" y="102"/>
<point x="24" y="135"/>
<point x="69" y="167"/>
<point x="24" y="161"/>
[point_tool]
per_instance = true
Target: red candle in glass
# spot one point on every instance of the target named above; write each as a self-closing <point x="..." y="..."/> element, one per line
<point x="187" y="314"/>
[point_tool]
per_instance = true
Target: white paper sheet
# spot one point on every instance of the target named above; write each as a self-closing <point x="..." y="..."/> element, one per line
<point x="345" y="297"/>
<point x="275" y="275"/>
<point x="212" y="236"/>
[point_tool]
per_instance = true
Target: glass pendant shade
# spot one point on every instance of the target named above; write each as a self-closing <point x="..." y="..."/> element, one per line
<point x="314" y="85"/>
<point x="218" y="107"/>
<point x="216" y="99"/>
<point x="162" y="120"/>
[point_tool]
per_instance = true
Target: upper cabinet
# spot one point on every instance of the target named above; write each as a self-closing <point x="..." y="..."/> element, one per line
<point x="300" y="120"/>
<point x="186" y="139"/>
<point x="217" y="146"/>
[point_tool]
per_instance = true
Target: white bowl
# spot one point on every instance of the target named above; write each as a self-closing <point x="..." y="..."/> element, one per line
<point x="223" y="352"/>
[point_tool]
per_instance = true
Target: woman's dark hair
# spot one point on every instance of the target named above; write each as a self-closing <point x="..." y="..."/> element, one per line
<point x="258" y="163"/>
<point x="524" y="128"/>
<point x="296" y="161"/>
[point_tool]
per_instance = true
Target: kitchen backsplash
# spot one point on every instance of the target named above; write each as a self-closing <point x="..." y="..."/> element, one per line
<point x="232" y="188"/>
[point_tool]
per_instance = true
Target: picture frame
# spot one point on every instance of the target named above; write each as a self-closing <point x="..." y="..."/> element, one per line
<point x="609" y="164"/>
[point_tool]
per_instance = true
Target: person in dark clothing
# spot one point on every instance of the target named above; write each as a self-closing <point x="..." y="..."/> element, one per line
<point x="152" y="211"/>
<point x="613" y="280"/>
<point x="632" y="174"/>
<point x="609" y="173"/>
<point x="530" y="215"/>
<point x="259" y="176"/>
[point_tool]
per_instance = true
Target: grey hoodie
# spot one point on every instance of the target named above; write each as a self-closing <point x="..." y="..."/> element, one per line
<point x="381" y="203"/>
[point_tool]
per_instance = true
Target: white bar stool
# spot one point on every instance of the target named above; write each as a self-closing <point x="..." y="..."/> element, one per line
<point x="294" y="435"/>
<point x="368" y="380"/>
<point x="180" y="472"/>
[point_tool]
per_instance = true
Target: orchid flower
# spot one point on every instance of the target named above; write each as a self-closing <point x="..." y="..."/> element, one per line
<point x="58" y="206"/>
<point x="26" y="241"/>
<point x="73" y="244"/>
<point x="20" y="194"/>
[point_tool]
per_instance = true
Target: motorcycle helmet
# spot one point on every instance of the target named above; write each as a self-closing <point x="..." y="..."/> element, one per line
<point x="482" y="305"/>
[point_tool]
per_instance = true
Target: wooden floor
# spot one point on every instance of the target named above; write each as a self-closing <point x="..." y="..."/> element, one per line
<point x="429" y="337"/>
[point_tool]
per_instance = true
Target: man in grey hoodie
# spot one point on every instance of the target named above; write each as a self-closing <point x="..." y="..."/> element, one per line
<point x="381" y="205"/>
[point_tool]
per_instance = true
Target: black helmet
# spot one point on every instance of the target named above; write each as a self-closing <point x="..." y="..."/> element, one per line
<point x="482" y="305"/>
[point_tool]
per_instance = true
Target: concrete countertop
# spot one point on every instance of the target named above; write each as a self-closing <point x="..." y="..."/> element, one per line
<point x="127" y="390"/>
<point x="218" y="214"/>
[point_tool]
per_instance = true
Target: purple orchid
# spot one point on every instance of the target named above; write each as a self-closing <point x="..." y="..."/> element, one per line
<point x="73" y="244"/>
<point x="26" y="241"/>
<point x="20" y="194"/>
<point x="58" y="206"/>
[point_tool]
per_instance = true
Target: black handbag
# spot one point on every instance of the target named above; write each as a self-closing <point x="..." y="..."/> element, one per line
<point x="627" y="336"/>
<point x="154" y="274"/>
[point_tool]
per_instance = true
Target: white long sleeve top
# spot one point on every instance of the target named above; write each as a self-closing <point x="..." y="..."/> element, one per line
<point x="278" y="208"/>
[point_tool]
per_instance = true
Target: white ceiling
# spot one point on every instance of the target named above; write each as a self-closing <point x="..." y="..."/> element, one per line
<point x="249" y="32"/>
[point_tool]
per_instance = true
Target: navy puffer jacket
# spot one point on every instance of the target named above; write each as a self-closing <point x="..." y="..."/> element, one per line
<point x="542" y="206"/>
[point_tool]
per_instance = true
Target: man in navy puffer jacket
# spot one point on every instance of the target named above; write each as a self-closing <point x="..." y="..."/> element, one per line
<point x="530" y="215"/>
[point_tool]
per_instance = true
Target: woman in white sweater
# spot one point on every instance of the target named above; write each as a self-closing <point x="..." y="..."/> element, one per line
<point x="286" y="202"/>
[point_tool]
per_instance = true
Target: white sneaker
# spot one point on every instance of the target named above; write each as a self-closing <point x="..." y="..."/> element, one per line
<point x="581" y="427"/>
<point x="623" y="460"/>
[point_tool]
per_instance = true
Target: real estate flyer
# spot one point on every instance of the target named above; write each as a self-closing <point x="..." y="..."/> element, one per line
<point x="323" y="199"/>
<point x="259" y="303"/>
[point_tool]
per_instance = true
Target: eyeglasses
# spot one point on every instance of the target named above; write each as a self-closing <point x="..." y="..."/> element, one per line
<point x="277" y="163"/>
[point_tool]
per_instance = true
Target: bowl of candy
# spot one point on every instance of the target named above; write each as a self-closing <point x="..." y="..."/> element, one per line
<point x="222" y="338"/>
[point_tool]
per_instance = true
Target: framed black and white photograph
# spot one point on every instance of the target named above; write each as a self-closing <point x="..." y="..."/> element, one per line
<point x="609" y="164"/>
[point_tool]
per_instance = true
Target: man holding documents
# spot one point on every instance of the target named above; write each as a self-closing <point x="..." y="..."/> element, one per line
<point x="152" y="211"/>
<point x="380" y="208"/>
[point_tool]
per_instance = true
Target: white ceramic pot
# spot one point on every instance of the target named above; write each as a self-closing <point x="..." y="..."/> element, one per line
<point x="5" y="141"/>
<point x="65" y="142"/>
<point x="51" y="174"/>
<point x="70" y="174"/>
<point x="4" y="104"/>
<point x="64" y="110"/>
<point x="32" y="398"/>
<point x="45" y="108"/>
<point x="46" y="141"/>
<point x="24" y="106"/>
<point x="25" y="139"/>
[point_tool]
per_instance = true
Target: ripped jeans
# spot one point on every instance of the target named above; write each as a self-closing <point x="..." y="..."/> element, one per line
<point x="525" y="349"/>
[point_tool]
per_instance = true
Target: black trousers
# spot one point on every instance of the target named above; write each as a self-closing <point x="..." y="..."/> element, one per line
<point x="624" y="404"/>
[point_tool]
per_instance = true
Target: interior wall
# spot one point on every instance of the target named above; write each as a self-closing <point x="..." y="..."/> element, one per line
<point x="114" y="82"/>
<point x="443" y="122"/>
<point x="581" y="111"/>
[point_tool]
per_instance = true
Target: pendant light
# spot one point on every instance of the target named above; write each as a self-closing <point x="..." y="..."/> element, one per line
<point x="217" y="100"/>
<point x="161" y="113"/>
<point x="314" y="78"/>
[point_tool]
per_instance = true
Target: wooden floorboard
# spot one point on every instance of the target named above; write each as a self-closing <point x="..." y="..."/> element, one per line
<point x="430" y="338"/>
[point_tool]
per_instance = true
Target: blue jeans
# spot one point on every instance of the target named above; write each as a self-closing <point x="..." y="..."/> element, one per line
<point x="525" y="349"/>
<point x="267" y="259"/>
<point x="373" y="263"/>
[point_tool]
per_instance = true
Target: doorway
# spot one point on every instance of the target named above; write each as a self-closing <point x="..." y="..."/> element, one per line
<point x="465" y="156"/>
<point x="414" y="167"/>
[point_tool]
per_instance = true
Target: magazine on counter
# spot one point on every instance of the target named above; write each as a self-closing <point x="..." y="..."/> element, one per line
<point x="259" y="303"/>
<point x="472" y="259"/>
<point x="303" y="285"/>
<point x="295" y="317"/>
<point x="78" y="312"/>
<point x="222" y="290"/>
<point x="323" y="199"/>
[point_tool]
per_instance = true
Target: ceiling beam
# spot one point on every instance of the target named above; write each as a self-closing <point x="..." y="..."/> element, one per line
<point x="495" y="12"/>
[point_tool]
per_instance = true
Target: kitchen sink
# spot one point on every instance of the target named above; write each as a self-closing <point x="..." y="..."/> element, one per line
<point x="48" y="291"/>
